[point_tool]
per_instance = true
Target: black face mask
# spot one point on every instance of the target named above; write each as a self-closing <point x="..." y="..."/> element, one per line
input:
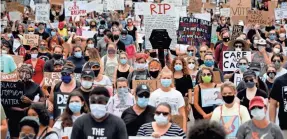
<point x="57" y="56"/>
<point x="92" y="26"/>
<point x="228" y="99"/>
<point x="154" y="74"/>
<point x="116" y="37"/>
<point x="96" y="72"/>
<point x="226" y="39"/>
<point x="153" y="54"/>
<point x="87" y="58"/>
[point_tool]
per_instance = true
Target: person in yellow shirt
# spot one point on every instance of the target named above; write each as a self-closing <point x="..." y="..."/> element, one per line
<point x="62" y="30"/>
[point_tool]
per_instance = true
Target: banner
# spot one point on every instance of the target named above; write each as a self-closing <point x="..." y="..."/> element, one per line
<point x="211" y="97"/>
<point x="143" y="8"/>
<point x="152" y="84"/>
<point x="230" y="59"/>
<point x="258" y="17"/>
<point x="52" y="78"/>
<point x="31" y="39"/>
<point x="194" y="31"/>
<point x="76" y="8"/>
<point x="60" y="103"/>
<point x="89" y="34"/>
<point x="238" y="9"/>
<point x="237" y="78"/>
<point x="43" y="12"/>
<point x="115" y="5"/>
<point x="236" y="31"/>
<point x="11" y="93"/>
<point x="195" y="6"/>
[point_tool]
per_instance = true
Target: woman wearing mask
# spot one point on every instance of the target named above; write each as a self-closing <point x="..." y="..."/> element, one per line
<point x="93" y="55"/>
<point x="251" y="91"/>
<point x="272" y="37"/>
<point x="76" y="107"/>
<point x="132" y="30"/>
<point x="90" y="43"/>
<point x="40" y="112"/>
<point x="19" y="30"/>
<point x="79" y="26"/>
<point x="192" y="68"/>
<point x="44" y="52"/>
<point x="282" y="37"/>
<point x="162" y="125"/>
<point x="238" y="45"/>
<point x="93" y="25"/>
<point x="259" y="53"/>
<point x="271" y="73"/>
<point x="276" y="49"/>
<point x="202" y="51"/>
<point x="29" y="128"/>
<point x="110" y="61"/>
<point x="154" y="68"/>
<point x="30" y="90"/>
<point x="167" y="93"/>
<point x="243" y="66"/>
<point x="77" y="58"/>
<point x="203" y="111"/>
<point x="101" y="79"/>
<point x="123" y="68"/>
<point x="63" y="88"/>
<point x="191" y="51"/>
<point x="38" y="66"/>
<point x="183" y="82"/>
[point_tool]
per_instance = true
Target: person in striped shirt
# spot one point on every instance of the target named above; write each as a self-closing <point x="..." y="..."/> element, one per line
<point x="162" y="125"/>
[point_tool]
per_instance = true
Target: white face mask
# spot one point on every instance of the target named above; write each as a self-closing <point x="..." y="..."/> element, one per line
<point x="276" y="50"/>
<point x="90" y="45"/>
<point x="34" y="56"/>
<point x="238" y="49"/>
<point x="140" y="66"/>
<point x="160" y="119"/>
<point x="191" y="66"/>
<point x="258" y="114"/>
<point x="4" y="52"/>
<point x="98" y="110"/>
<point x="282" y="35"/>
<point x="87" y="84"/>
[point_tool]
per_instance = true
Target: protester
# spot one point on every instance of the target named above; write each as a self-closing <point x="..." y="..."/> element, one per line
<point x="238" y="45"/>
<point x="99" y="123"/>
<point x="202" y="51"/>
<point x="260" y="55"/>
<point x="192" y="68"/>
<point x="29" y="128"/>
<point x="126" y="38"/>
<point x="181" y="49"/>
<point x="218" y="54"/>
<point x="54" y="39"/>
<point x="167" y="93"/>
<point x="110" y="61"/>
<point x="162" y="125"/>
<point x="276" y="49"/>
<point x="77" y="58"/>
<point x="42" y="32"/>
<point x="123" y="68"/>
<point x="102" y="43"/>
<point x="154" y="68"/>
<point x="76" y="107"/>
<point x="212" y="130"/>
<point x="222" y="25"/>
<point x="191" y="51"/>
<point x="140" y="113"/>
<point x="3" y="124"/>
<point x="57" y="55"/>
<point x="87" y="82"/>
<point x="259" y="126"/>
<point x="277" y="60"/>
<point x="100" y="78"/>
<point x="37" y="64"/>
<point x="131" y="29"/>
<point x="44" y="52"/>
<point x="271" y="74"/>
<point x="7" y="60"/>
<point x="122" y="100"/>
<point x="243" y="66"/>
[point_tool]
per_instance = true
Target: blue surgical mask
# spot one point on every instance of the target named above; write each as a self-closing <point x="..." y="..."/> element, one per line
<point x="250" y="84"/>
<point x="258" y="114"/>
<point x="53" y="33"/>
<point x="243" y="68"/>
<point x="75" y="107"/>
<point x="78" y="54"/>
<point x="66" y="79"/>
<point x="98" y="110"/>
<point x="178" y="67"/>
<point x="123" y="90"/>
<point x="160" y="119"/>
<point x="272" y="37"/>
<point x="257" y="73"/>
<point x="165" y="82"/>
<point x="208" y="63"/>
<point x="190" y="53"/>
<point x="140" y="66"/>
<point x="123" y="61"/>
<point x="142" y="102"/>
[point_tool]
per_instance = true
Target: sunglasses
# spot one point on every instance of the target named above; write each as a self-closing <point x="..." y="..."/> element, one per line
<point x="191" y="62"/>
<point x="242" y="63"/>
<point x="251" y="80"/>
<point x="163" y="113"/>
<point x="146" y="95"/>
<point x="238" y="45"/>
<point x="190" y="50"/>
<point x="202" y="51"/>
<point x="274" y="61"/>
<point x="206" y="74"/>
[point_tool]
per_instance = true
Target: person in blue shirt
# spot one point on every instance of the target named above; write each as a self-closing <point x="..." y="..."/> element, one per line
<point x="126" y="38"/>
<point x="77" y="58"/>
<point x="7" y="64"/>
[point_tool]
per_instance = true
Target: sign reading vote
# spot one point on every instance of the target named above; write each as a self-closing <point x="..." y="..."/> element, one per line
<point x="193" y="30"/>
<point x="11" y="93"/>
<point x="231" y="58"/>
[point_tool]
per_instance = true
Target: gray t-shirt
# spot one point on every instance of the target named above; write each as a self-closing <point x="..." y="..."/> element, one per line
<point x="102" y="46"/>
<point x="249" y="131"/>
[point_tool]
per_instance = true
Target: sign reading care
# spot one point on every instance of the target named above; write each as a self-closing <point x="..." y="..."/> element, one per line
<point x="231" y="58"/>
<point x="75" y="8"/>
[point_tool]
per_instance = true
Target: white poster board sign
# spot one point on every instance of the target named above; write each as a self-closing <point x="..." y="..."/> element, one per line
<point x="225" y="12"/>
<point x="280" y="13"/>
<point x="89" y="34"/>
<point x="237" y="78"/>
<point x="16" y="44"/>
<point x="115" y="5"/>
<point x="211" y="97"/>
<point x="230" y="59"/>
<point x="174" y="2"/>
<point x="203" y="16"/>
<point x="181" y="11"/>
<point x="14" y="16"/>
<point x="42" y="12"/>
<point x="142" y="8"/>
<point x="94" y="6"/>
<point x="75" y="8"/>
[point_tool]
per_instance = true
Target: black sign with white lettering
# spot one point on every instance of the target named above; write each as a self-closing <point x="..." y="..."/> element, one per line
<point x="60" y="102"/>
<point x="11" y="93"/>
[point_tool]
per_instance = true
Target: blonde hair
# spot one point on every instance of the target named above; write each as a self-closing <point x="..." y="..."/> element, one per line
<point x="229" y="85"/>
<point x="166" y="70"/>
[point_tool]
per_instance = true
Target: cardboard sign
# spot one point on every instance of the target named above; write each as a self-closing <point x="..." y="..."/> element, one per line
<point x="225" y="12"/>
<point x="280" y="13"/>
<point x="11" y="93"/>
<point x="76" y="8"/>
<point x="94" y="6"/>
<point x="18" y="59"/>
<point x="211" y="97"/>
<point x="31" y="39"/>
<point x="194" y="31"/>
<point x="258" y="17"/>
<point x="60" y="103"/>
<point x="115" y="5"/>
<point x="230" y="59"/>
<point x="195" y="6"/>
<point x="152" y="84"/>
<point x="237" y="78"/>
<point x="142" y="8"/>
<point x="14" y="6"/>
<point x="89" y="34"/>
<point x="11" y="77"/>
<point x="236" y="31"/>
<point x="43" y="12"/>
<point x="14" y="16"/>
<point x="217" y="77"/>
<point x="239" y="9"/>
<point x="52" y="78"/>
<point x="57" y="2"/>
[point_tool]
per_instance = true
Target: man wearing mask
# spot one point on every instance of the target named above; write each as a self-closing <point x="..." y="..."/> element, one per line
<point x="237" y="113"/>
<point x="122" y="100"/>
<point x="272" y="36"/>
<point x="220" y="48"/>
<point x="277" y="60"/>
<point x="57" y="55"/>
<point x="87" y="81"/>
<point x="102" y="43"/>
<point x="41" y="31"/>
<point x="117" y="41"/>
<point x="99" y="123"/>
<point x="126" y="38"/>
<point x="140" y="113"/>
<point x="259" y="126"/>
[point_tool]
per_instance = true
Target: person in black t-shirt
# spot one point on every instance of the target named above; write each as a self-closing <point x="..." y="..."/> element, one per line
<point x="132" y="30"/>
<point x="44" y="53"/>
<point x="41" y="32"/>
<point x="139" y="114"/>
<point x="87" y="81"/>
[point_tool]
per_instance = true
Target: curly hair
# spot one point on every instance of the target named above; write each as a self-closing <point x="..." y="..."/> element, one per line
<point x="205" y="129"/>
<point x="184" y="65"/>
<point x="42" y="112"/>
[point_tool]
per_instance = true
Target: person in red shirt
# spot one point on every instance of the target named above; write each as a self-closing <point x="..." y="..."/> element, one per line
<point x="38" y="65"/>
<point x="220" y="48"/>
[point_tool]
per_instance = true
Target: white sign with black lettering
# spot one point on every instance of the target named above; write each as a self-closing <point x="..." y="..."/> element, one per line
<point x="237" y="78"/>
<point x="230" y="59"/>
<point x="42" y="12"/>
<point x="115" y="5"/>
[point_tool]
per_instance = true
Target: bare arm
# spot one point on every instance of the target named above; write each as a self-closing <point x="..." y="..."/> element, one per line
<point x="196" y="105"/>
<point x="4" y="128"/>
<point x="272" y="110"/>
<point x="182" y="112"/>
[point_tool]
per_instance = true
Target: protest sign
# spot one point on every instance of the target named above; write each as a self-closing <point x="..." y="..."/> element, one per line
<point x="258" y="17"/>
<point x="195" y="6"/>
<point x="11" y="77"/>
<point x="211" y="97"/>
<point x="238" y="9"/>
<point x="203" y="16"/>
<point x="43" y="12"/>
<point x="230" y="59"/>
<point x="280" y="13"/>
<point x="213" y="34"/>
<point x="14" y="16"/>
<point x="89" y="34"/>
<point x="194" y="31"/>
<point x="94" y="6"/>
<point x="57" y="2"/>
<point x="14" y="6"/>
<point x="142" y="8"/>
<point x="60" y="103"/>
<point x="181" y="11"/>
<point x="52" y="78"/>
<point x="152" y="84"/>
<point x="174" y="2"/>
<point x="167" y="22"/>
<point x="16" y="44"/>
<point x="75" y="8"/>
<point x="11" y="93"/>
<point x="237" y="78"/>
<point x="225" y="12"/>
<point x="18" y="59"/>
<point x="31" y="39"/>
<point x="236" y="31"/>
<point x="283" y="5"/>
<point x="115" y="5"/>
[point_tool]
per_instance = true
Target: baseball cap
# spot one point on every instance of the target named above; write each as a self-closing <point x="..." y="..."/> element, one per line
<point x="68" y="70"/>
<point x="262" y="42"/>
<point x="94" y="63"/>
<point x="124" y="32"/>
<point x="58" y="62"/>
<point x="88" y="73"/>
<point x="249" y="73"/>
<point x="141" y="89"/>
<point x="255" y="66"/>
<point x="257" y="101"/>
<point x="34" y="48"/>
